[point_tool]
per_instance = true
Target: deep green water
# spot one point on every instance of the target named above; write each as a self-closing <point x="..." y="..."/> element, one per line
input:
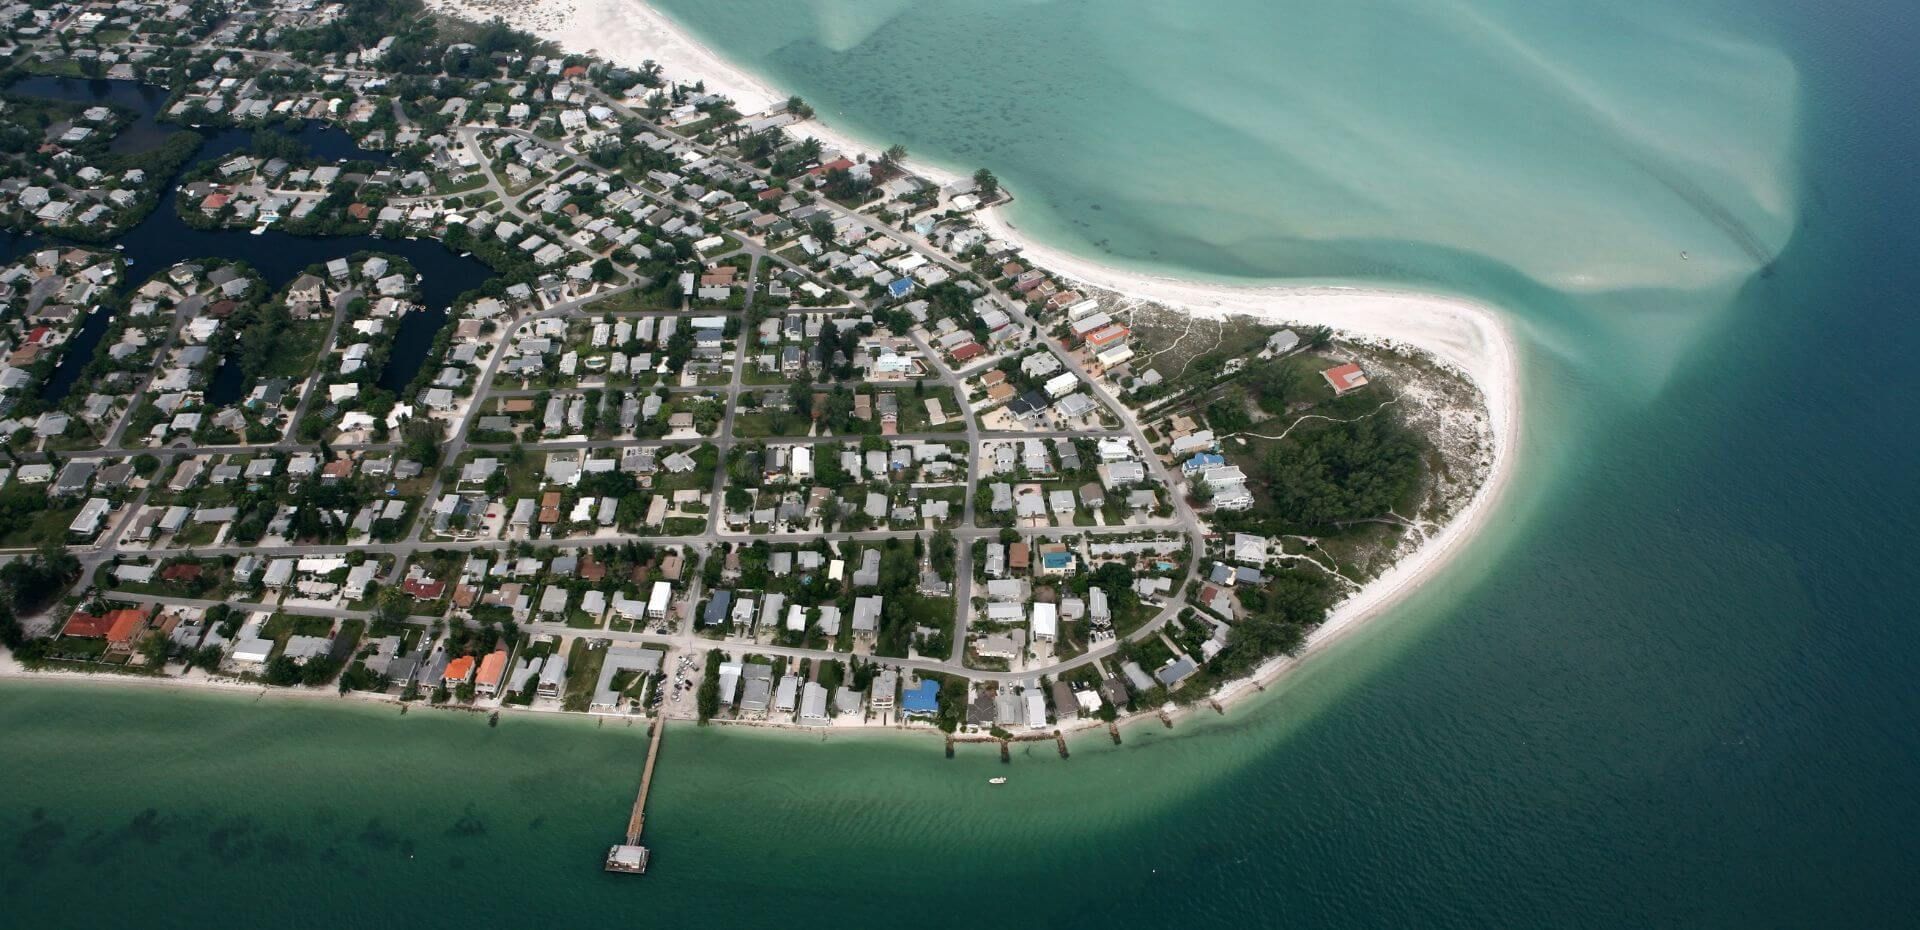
<point x="1673" y="685"/>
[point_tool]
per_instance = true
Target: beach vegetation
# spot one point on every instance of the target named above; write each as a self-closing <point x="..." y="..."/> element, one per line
<point x="708" y="697"/>
<point x="987" y="185"/>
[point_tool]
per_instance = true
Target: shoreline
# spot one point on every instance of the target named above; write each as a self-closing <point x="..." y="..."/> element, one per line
<point x="1465" y="334"/>
<point x="1460" y="333"/>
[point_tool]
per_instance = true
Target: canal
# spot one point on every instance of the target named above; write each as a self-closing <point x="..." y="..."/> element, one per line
<point x="162" y="240"/>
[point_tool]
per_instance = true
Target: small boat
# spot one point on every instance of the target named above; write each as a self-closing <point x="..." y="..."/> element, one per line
<point x="997" y="780"/>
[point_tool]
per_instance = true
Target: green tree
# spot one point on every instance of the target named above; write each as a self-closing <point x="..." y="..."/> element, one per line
<point x="393" y="606"/>
<point x="986" y="184"/>
<point x="1346" y="471"/>
<point x="708" y="697"/>
<point x="892" y="158"/>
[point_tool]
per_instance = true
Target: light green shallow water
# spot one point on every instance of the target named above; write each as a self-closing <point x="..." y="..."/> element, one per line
<point x="1671" y="685"/>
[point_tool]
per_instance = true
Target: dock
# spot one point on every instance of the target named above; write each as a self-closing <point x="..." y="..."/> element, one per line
<point x="631" y="857"/>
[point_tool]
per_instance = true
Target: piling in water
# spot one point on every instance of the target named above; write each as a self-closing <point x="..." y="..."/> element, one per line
<point x="638" y="821"/>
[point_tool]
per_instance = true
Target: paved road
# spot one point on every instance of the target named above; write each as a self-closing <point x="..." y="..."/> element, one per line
<point x="1186" y="522"/>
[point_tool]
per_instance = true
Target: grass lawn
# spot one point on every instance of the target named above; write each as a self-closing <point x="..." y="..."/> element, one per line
<point x="1128" y="619"/>
<point x="49" y="526"/>
<point x="759" y="425"/>
<point x="583" y="672"/>
<point x="443" y="184"/>
<point x="631" y="301"/>
<point x="685" y="526"/>
<point x="66" y="67"/>
<point x="281" y="625"/>
<point x="755" y="375"/>
<point x="298" y="348"/>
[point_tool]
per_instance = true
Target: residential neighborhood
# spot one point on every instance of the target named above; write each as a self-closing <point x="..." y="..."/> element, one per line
<point x="526" y="381"/>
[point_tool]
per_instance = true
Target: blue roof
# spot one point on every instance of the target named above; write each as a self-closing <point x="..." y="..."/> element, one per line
<point x="1057" y="559"/>
<point x="900" y="287"/>
<point x="1203" y="460"/>
<point x="717" y="608"/>
<point x="922" y="699"/>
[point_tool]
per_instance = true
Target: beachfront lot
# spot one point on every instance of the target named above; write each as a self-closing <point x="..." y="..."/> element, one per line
<point x="728" y="391"/>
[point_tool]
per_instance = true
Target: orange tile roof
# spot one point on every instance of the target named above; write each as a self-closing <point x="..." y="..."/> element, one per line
<point x="492" y="667"/>
<point x="459" y="669"/>
<point x="127" y="624"/>
<point x="1345" y="378"/>
<point x="84" y="625"/>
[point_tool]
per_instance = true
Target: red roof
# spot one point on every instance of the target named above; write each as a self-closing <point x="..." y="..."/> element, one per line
<point x="116" y="626"/>
<point x="1345" y="378"/>
<point x="492" y="667"/>
<point x="180" y="571"/>
<point x="574" y="71"/>
<point x="459" y="669"/>
<point x="359" y="211"/>
<point x="214" y="201"/>
<point x="127" y="623"/>
<point x="1106" y="334"/>
<point x="772" y="193"/>
<point x="424" y="590"/>
<point x="839" y="164"/>
<point x="84" y="625"/>
<point x="967" y="350"/>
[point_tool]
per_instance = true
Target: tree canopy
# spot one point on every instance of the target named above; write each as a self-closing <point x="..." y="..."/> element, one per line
<point x="1344" y="471"/>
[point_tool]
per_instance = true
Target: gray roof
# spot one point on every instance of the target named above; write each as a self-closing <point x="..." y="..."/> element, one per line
<point x="717" y="608"/>
<point x="619" y="659"/>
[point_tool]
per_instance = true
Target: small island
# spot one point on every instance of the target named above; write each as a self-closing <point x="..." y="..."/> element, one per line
<point x="365" y="352"/>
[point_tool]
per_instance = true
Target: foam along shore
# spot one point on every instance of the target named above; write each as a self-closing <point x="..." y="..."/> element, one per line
<point x="628" y="32"/>
<point x="1469" y="336"/>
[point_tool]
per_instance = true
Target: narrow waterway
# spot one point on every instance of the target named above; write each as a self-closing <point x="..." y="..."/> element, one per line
<point x="162" y="239"/>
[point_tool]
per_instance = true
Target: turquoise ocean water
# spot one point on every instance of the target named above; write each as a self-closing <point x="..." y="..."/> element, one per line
<point x="1672" y="685"/>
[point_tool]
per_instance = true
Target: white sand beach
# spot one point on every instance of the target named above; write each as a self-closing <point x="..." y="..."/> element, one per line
<point x="1469" y="336"/>
<point x="628" y="32"/>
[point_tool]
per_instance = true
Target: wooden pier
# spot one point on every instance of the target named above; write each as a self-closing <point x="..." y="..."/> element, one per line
<point x="1060" y="740"/>
<point x="631" y="856"/>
